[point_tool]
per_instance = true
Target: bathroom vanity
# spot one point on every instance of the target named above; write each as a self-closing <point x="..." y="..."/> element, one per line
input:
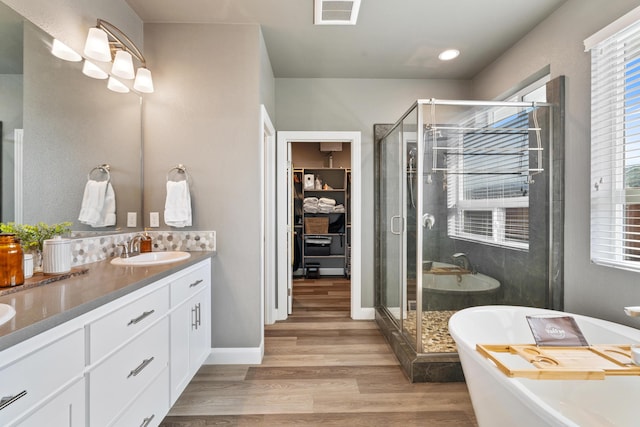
<point x="115" y="346"/>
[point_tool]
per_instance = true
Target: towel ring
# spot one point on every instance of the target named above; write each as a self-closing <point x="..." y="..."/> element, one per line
<point x="104" y="168"/>
<point x="181" y="170"/>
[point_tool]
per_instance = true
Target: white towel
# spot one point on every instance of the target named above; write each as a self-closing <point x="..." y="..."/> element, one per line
<point x="177" y="207"/>
<point x="98" y="204"/>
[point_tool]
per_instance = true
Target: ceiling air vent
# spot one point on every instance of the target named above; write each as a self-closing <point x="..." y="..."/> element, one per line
<point x="336" y="12"/>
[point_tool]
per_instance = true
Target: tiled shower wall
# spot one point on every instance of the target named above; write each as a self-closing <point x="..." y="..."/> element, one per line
<point x="88" y="249"/>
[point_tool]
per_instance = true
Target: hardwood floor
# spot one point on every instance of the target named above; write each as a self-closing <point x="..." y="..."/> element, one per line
<point x="320" y="369"/>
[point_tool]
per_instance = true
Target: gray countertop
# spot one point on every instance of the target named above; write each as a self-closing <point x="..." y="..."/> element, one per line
<point x="43" y="307"/>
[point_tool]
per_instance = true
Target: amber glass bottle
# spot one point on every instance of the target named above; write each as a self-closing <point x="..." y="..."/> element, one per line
<point x="145" y="243"/>
<point x="11" y="273"/>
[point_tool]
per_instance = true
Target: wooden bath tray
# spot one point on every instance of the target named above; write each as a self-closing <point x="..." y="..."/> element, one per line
<point x="560" y="363"/>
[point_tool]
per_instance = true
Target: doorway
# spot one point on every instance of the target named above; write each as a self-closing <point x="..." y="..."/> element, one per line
<point x="332" y="181"/>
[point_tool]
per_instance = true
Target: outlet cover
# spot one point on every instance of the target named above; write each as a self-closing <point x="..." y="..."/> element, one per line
<point x="132" y="219"/>
<point x="154" y="219"/>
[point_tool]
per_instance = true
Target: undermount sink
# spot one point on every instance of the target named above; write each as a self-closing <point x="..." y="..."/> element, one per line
<point x="6" y="313"/>
<point x="152" y="258"/>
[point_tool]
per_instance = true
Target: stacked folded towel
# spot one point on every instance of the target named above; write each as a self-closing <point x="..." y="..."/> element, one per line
<point x="326" y="205"/>
<point x="310" y="205"/>
<point x="177" y="207"/>
<point x="323" y="205"/>
<point x="98" y="207"/>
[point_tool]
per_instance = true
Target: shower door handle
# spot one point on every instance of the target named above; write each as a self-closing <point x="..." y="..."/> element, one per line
<point x="393" y="221"/>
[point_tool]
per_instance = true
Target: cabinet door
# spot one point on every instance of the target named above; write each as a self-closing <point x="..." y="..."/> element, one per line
<point x="190" y="340"/>
<point x="66" y="410"/>
<point x="200" y="337"/>
<point x="179" y="359"/>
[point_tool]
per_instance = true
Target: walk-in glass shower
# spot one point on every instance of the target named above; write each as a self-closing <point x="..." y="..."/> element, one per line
<point x="465" y="214"/>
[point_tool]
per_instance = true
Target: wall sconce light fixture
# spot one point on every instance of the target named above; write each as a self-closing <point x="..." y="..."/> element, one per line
<point x="105" y="43"/>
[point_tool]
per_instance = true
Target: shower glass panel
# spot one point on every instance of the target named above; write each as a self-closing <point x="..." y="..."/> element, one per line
<point x="465" y="208"/>
<point x="390" y="224"/>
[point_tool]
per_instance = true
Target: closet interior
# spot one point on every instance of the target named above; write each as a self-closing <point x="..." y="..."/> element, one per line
<point x="321" y="208"/>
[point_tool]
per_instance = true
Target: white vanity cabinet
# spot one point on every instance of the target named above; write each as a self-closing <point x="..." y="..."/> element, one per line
<point x="36" y="372"/>
<point x="190" y="327"/>
<point x="121" y="364"/>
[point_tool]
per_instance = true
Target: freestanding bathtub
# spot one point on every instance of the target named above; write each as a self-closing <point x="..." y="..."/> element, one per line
<point x="501" y="401"/>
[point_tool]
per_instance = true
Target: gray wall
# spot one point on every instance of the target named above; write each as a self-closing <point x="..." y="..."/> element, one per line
<point x="356" y="105"/>
<point x="589" y="289"/>
<point x="206" y="116"/>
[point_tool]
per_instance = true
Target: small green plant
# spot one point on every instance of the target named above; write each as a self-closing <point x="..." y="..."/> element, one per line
<point x="32" y="236"/>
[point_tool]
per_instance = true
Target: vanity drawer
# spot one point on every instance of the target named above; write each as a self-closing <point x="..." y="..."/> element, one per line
<point x="28" y="380"/>
<point x="122" y="376"/>
<point x="114" y="329"/>
<point x="150" y="407"/>
<point x="182" y="288"/>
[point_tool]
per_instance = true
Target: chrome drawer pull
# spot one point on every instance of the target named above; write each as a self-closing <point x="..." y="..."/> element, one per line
<point x="8" y="400"/>
<point x="146" y="421"/>
<point x="198" y="315"/>
<point x="139" y="369"/>
<point x="194" y="317"/>
<point x="196" y="283"/>
<point x="140" y="318"/>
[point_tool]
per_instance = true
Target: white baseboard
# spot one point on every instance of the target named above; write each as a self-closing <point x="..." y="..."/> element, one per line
<point x="364" y="313"/>
<point x="236" y="356"/>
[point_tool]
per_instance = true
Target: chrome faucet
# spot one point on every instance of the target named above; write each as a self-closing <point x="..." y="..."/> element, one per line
<point x="132" y="247"/>
<point x="134" y="244"/>
<point x="462" y="260"/>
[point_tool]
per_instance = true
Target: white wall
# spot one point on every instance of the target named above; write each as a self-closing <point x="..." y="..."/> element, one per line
<point x="207" y="116"/>
<point x="356" y="105"/>
<point x="589" y="289"/>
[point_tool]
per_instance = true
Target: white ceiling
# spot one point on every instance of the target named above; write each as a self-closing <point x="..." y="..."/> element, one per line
<point x="393" y="38"/>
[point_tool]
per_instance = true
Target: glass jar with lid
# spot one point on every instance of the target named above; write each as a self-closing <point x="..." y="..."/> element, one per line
<point x="11" y="269"/>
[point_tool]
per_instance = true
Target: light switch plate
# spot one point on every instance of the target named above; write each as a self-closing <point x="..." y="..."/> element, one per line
<point x="131" y="219"/>
<point x="154" y="219"/>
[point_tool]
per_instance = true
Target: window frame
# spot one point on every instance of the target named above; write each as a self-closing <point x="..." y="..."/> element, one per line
<point x="497" y="206"/>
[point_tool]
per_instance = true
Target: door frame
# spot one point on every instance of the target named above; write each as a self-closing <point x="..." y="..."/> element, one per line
<point x="284" y="138"/>
<point x="268" y="242"/>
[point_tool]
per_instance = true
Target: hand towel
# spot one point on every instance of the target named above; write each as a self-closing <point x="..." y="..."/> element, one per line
<point x="177" y="207"/>
<point x="98" y="207"/>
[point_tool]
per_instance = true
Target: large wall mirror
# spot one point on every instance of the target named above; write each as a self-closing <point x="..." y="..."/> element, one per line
<point x="70" y="124"/>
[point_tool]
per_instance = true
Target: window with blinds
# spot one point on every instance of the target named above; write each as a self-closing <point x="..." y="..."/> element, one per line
<point x="488" y="174"/>
<point x="615" y="144"/>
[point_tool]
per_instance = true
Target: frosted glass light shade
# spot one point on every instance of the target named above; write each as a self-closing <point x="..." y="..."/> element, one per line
<point x="143" y="82"/>
<point x="90" y="69"/>
<point x="117" y="86"/>
<point x="97" y="45"/>
<point x="123" y="65"/>
<point x="62" y="51"/>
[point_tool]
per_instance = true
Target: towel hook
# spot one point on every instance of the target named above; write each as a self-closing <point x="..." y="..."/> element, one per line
<point x="104" y="168"/>
<point x="180" y="170"/>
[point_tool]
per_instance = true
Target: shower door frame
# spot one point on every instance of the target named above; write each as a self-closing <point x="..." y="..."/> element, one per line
<point x="555" y="166"/>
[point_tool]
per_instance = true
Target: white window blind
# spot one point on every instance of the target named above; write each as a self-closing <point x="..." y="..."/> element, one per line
<point x="615" y="148"/>
<point x="487" y="183"/>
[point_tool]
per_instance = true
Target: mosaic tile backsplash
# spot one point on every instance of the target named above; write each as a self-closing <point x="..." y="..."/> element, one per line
<point x="88" y="249"/>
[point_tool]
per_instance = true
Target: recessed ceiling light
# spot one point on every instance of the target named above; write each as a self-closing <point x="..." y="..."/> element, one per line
<point x="449" y="54"/>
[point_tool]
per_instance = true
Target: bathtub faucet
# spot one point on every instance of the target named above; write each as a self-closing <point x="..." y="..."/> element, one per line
<point x="462" y="260"/>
